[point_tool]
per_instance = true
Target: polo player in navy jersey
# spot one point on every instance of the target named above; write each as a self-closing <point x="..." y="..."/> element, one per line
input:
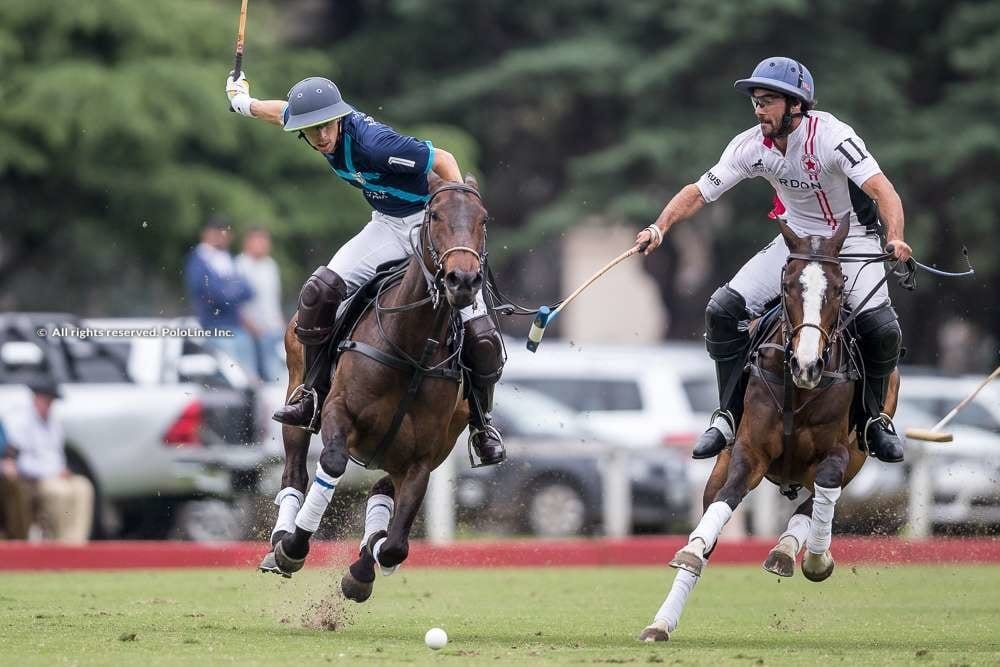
<point x="391" y="170"/>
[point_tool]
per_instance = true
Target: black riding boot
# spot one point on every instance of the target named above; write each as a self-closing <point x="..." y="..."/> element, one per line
<point x="727" y="339"/>
<point x="484" y="438"/>
<point x="318" y="302"/>
<point x="483" y="355"/>
<point x="880" y="338"/>
<point x="302" y="409"/>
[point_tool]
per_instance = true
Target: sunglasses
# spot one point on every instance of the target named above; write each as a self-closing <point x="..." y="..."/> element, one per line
<point x="761" y="101"/>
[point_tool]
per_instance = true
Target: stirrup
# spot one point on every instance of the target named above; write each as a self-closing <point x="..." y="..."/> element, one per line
<point x="883" y="419"/>
<point x="297" y="394"/>
<point x="490" y="430"/>
<point x="726" y="416"/>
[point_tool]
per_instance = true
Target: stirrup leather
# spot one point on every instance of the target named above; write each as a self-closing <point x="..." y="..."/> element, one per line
<point x="298" y="394"/>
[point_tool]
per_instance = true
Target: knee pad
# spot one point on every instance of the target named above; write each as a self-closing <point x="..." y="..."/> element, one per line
<point x="333" y="461"/>
<point x="880" y="339"/>
<point x="725" y="335"/>
<point x="483" y="352"/>
<point x="318" y="302"/>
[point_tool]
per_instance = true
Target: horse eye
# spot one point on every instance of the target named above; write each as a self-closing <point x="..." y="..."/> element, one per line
<point x="434" y="215"/>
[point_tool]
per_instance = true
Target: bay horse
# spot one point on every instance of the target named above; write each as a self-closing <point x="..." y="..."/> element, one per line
<point x="796" y="428"/>
<point x="396" y="397"/>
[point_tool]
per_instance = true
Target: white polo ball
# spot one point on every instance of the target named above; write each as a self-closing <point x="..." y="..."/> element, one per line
<point x="436" y="638"/>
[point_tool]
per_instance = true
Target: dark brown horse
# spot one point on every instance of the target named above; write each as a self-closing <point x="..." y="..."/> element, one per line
<point x="795" y="428"/>
<point x="396" y="397"/>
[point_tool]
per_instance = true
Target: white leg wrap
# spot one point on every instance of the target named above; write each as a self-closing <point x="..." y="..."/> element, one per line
<point x="289" y="501"/>
<point x="386" y="571"/>
<point x="821" y="529"/>
<point x="798" y="529"/>
<point x="671" y="609"/>
<point x="319" y="496"/>
<point x="711" y="524"/>
<point x="377" y="515"/>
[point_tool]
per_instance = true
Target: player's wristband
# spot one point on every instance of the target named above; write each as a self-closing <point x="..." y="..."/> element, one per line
<point x="241" y="104"/>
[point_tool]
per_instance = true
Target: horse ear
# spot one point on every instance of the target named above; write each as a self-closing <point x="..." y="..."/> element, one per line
<point x="471" y="181"/>
<point x="434" y="181"/>
<point x="841" y="233"/>
<point x="791" y="238"/>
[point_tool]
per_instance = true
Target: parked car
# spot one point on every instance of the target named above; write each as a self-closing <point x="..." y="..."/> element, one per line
<point x="965" y="480"/>
<point x="229" y="400"/>
<point x="638" y="396"/>
<point x="937" y="394"/>
<point x="551" y="483"/>
<point x="143" y="446"/>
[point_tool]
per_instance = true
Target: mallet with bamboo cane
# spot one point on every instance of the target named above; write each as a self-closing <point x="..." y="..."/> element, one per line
<point x="546" y="314"/>
<point x="935" y="434"/>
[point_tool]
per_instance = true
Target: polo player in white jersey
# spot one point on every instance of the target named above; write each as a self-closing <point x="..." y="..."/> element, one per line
<point x="822" y="173"/>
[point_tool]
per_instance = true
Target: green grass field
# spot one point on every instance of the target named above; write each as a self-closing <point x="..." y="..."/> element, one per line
<point x="737" y="615"/>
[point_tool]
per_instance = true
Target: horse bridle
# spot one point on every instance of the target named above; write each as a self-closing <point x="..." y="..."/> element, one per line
<point x="789" y="333"/>
<point x="434" y="280"/>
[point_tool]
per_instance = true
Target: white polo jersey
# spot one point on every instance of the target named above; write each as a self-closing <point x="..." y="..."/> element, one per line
<point x="817" y="181"/>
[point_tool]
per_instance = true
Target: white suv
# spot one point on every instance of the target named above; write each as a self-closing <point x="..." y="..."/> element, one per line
<point x="640" y="396"/>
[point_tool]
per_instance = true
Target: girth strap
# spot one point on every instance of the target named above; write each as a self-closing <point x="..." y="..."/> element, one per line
<point x="419" y="373"/>
<point x="395" y="362"/>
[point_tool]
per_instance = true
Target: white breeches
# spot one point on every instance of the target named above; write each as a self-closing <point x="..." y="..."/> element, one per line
<point x="384" y="239"/>
<point x="759" y="281"/>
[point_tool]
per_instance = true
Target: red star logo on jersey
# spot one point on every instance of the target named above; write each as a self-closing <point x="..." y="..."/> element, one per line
<point x="811" y="165"/>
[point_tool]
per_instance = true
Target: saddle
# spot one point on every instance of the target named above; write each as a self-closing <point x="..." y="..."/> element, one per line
<point x="354" y="306"/>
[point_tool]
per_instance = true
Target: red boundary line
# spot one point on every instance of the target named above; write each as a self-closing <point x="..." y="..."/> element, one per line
<point x="505" y="553"/>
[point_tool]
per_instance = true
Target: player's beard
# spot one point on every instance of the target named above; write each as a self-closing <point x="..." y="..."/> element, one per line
<point x="770" y="129"/>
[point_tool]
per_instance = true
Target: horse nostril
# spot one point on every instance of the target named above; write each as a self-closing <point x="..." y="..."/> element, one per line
<point x="794" y="364"/>
<point x="477" y="282"/>
<point x="452" y="280"/>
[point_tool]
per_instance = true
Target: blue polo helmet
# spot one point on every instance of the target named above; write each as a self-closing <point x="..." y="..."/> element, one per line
<point x="783" y="75"/>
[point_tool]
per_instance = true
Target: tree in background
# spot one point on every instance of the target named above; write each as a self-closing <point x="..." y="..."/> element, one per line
<point x="575" y="110"/>
<point x="116" y="144"/>
<point x="591" y="108"/>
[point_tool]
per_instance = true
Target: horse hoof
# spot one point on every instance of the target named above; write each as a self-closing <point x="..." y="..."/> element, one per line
<point x="779" y="563"/>
<point x="269" y="564"/>
<point x="286" y="563"/>
<point x="818" y="567"/>
<point x="359" y="591"/>
<point x="685" y="560"/>
<point x="655" y="632"/>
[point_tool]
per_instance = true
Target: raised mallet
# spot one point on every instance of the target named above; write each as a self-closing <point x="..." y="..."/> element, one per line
<point x="546" y="315"/>
<point x="935" y="434"/>
<point x="240" y="35"/>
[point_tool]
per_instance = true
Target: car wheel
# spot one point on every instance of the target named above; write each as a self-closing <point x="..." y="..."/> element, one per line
<point x="208" y="520"/>
<point x="556" y="509"/>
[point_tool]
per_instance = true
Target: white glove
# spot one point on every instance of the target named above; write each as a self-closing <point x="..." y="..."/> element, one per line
<point x="238" y="92"/>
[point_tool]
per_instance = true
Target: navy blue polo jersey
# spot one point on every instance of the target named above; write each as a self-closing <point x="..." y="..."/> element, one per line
<point x="388" y="167"/>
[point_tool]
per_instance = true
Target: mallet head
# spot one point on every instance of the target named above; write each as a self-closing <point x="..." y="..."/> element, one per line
<point x="538" y="327"/>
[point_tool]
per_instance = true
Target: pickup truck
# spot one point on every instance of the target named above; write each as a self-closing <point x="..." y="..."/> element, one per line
<point x="156" y="461"/>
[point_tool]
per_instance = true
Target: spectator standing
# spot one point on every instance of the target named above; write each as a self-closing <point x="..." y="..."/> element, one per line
<point x="217" y="292"/>
<point x="263" y="312"/>
<point x="65" y="500"/>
